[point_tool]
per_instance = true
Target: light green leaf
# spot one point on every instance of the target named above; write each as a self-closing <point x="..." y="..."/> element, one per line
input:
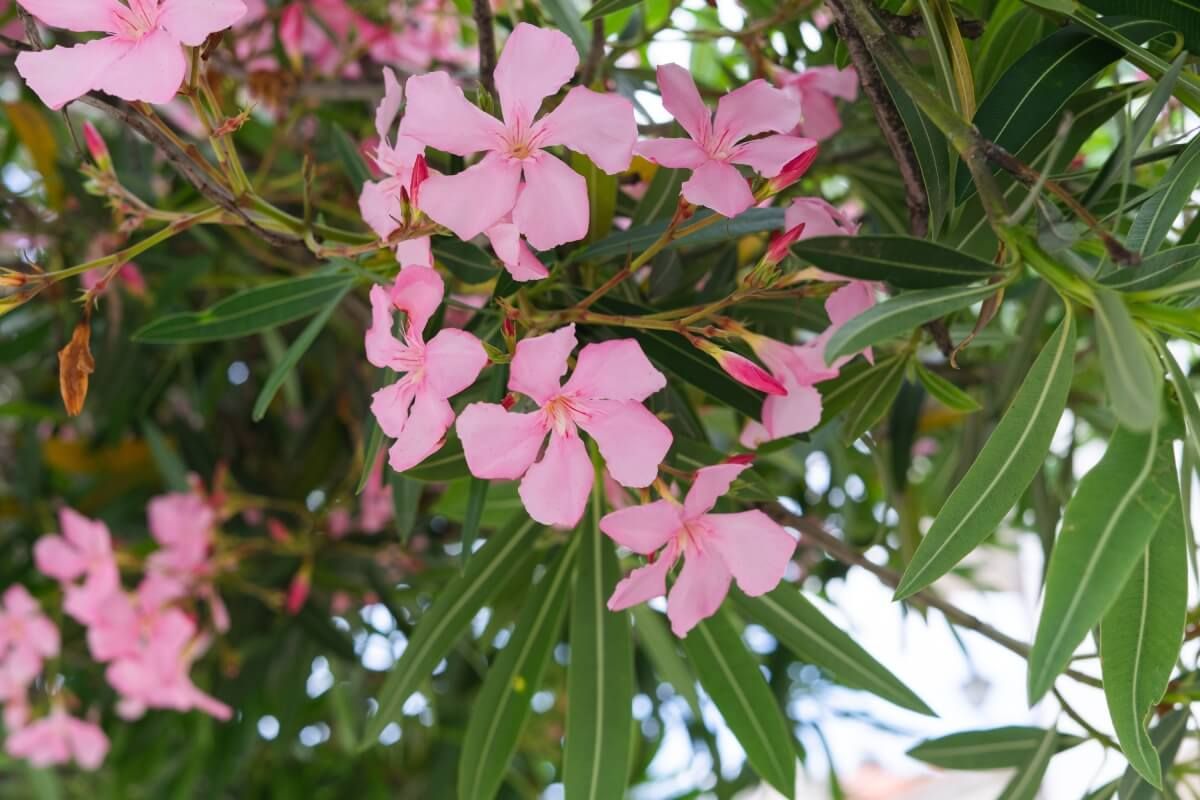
<point x="442" y="625"/>
<point x="874" y="398"/>
<point x="1140" y="639"/>
<point x="899" y="315"/>
<point x="247" y="312"/>
<point x="731" y="677"/>
<point x="406" y="502"/>
<point x="1132" y="380"/>
<point x="1185" y="393"/>
<point x="566" y="18"/>
<point x="1159" y="271"/>
<point x="945" y="392"/>
<point x="804" y="630"/>
<point x="929" y="145"/>
<point x="170" y="466"/>
<point x="900" y="260"/>
<point x="1028" y="780"/>
<point x="500" y="711"/>
<point x="602" y="8"/>
<point x="661" y="646"/>
<point x="1166" y="736"/>
<point x="994" y="748"/>
<point x="600" y="674"/>
<point x="1004" y="468"/>
<point x="293" y="355"/>
<point x="1112" y="516"/>
<point x="1156" y="216"/>
<point x="602" y="196"/>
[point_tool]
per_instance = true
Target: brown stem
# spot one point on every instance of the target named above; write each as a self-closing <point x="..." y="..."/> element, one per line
<point x="487" y="44"/>
<point x="595" y="57"/>
<point x="913" y="27"/>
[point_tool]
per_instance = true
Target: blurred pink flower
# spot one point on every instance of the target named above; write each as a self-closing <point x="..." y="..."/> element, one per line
<point x="58" y="739"/>
<point x="27" y="637"/>
<point x="814" y="90"/>
<point x="84" y="550"/>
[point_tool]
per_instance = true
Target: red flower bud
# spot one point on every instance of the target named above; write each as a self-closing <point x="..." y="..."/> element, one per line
<point x="777" y="250"/>
<point x="744" y="370"/>
<point x="420" y="172"/>
<point x="97" y="147"/>
<point x="793" y="170"/>
<point x="297" y="593"/>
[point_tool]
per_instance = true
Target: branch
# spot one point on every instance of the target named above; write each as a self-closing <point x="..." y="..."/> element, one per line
<point x="913" y="27"/>
<point x="487" y="44"/>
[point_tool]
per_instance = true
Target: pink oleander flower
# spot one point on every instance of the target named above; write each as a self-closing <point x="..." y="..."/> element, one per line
<point x="58" y="739"/>
<point x="142" y="56"/>
<point x="414" y="410"/>
<point x="518" y="176"/>
<point x="375" y="505"/>
<point x="819" y="218"/>
<point x="521" y="262"/>
<point x="814" y="90"/>
<point x="429" y="32"/>
<point x="603" y="396"/>
<point x="748" y="547"/>
<point x="716" y="143"/>
<point x="84" y="550"/>
<point x="381" y="202"/>
<point x="323" y="30"/>
<point x="27" y="638"/>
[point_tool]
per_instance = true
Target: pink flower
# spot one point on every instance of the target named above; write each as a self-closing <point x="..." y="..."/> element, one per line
<point x="814" y="91"/>
<point x="716" y="548"/>
<point x="547" y="199"/>
<point x="83" y="551"/>
<point x="819" y="218"/>
<point x="743" y="370"/>
<point x="430" y="32"/>
<point x="27" y="637"/>
<point x="58" y="739"/>
<point x="521" y="262"/>
<point x="376" y="508"/>
<point x="414" y="410"/>
<point x="142" y="56"/>
<point x="603" y="396"/>
<point x="716" y="144"/>
<point x="381" y="202"/>
<point x="323" y="31"/>
<point x="182" y="524"/>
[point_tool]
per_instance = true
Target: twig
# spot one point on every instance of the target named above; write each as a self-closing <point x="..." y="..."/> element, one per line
<point x="595" y="57"/>
<point x="1083" y="723"/>
<point x="913" y="27"/>
<point x="487" y="44"/>
<point x="31" y="29"/>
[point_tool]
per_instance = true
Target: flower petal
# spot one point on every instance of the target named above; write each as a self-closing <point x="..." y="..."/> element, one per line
<point x="535" y="64"/>
<point x="191" y="22"/>
<point x="453" y="360"/>
<point x="152" y="71"/>
<point x="769" y="155"/>
<point x="821" y="119"/>
<point x="61" y="74"/>
<point x="89" y="536"/>
<point x="710" y="483"/>
<point x="418" y="292"/>
<point x="379" y="205"/>
<point x="82" y="16"/>
<point x="698" y="591"/>
<point x="383" y="349"/>
<point x="415" y="252"/>
<point x="390" y="406"/>
<point x="389" y="107"/>
<point x="88" y="743"/>
<point x="498" y="443"/>
<point x="475" y="199"/>
<point x="440" y="116"/>
<point x="614" y="370"/>
<point x="719" y="186"/>
<point x="601" y="126"/>
<point x="512" y="251"/>
<point x="57" y="559"/>
<point x="424" y="433"/>
<point x="754" y="108"/>
<point x="681" y="97"/>
<point x="754" y="547"/>
<point x="644" y="583"/>
<point x="818" y="217"/>
<point x="753" y="434"/>
<point x="841" y="83"/>
<point x="555" y="490"/>
<point x="795" y="412"/>
<point x="645" y="528"/>
<point x="540" y="362"/>
<point x="674" y="153"/>
<point x="553" y="206"/>
<point x="632" y="440"/>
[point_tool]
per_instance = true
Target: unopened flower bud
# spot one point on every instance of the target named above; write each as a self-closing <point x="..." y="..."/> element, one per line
<point x="792" y="171"/>
<point x="743" y="369"/>
<point x="297" y="593"/>
<point x="420" y="171"/>
<point x="97" y="147"/>
<point x="780" y="244"/>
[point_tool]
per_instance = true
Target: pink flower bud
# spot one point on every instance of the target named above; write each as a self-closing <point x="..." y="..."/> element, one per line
<point x="740" y="458"/>
<point x="743" y="369"/>
<point x="793" y="170"/>
<point x="420" y="172"/>
<point x="781" y="243"/>
<point x="97" y="147"/>
<point x="297" y="592"/>
<point x="278" y="531"/>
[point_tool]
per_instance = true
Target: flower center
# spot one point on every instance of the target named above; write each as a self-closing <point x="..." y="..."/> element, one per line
<point x="521" y="139"/>
<point x="562" y="413"/>
<point x="138" y="19"/>
<point x="692" y="535"/>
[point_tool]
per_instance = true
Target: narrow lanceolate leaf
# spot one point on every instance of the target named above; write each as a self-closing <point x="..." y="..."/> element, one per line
<point x="600" y="674"/>
<point x="1004" y="469"/>
<point x="946" y="392"/>
<point x="623" y="243"/>
<point x="248" y="312"/>
<point x="661" y="197"/>
<point x="1032" y="92"/>
<point x="1132" y="380"/>
<point x="1028" y="780"/>
<point x="1182" y="15"/>
<point x="804" y="630"/>
<point x="875" y="398"/>
<point x="1167" y="736"/>
<point x="456" y="604"/>
<point x="468" y="263"/>
<point x="731" y="677"/>
<point x="661" y="646"/>
<point x="1186" y="395"/>
<point x="900" y="260"/>
<point x="293" y="355"/>
<point x="1140" y="639"/>
<point x="1156" y="216"/>
<point x="352" y="162"/>
<point x="933" y="154"/>
<point x="899" y="315"/>
<point x="1107" y="524"/>
<point x="502" y="707"/>
<point x="1164" y="268"/>
<point x="995" y="748"/>
<point x="602" y="8"/>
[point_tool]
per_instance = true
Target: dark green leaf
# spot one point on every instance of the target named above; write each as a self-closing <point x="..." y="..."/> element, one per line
<point x="1180" y="15"/>
<point x="900" y="260"/>
<point x="994" y="748"/>
<point x="1156" y="216"/>
<point x="170" y="466"/>
<point x="874" y="399"/>
<point x="446" y="464"/>
<point x="661" y="197"/>
<point x="933" y="154"/>
<point x="1166" y="736"/>
<point x="637" y="239"/>
<point x="465" y="261"/>
<point x="1028" y="780"/>
<point x="352" y="162"/>
<point x="602" y="8"/>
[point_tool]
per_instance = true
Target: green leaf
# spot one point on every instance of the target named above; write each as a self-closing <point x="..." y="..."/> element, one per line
<point x="566" y="18"/>
<point x="170" y="466"/>
<point x="1004" y="468"/>
<point x="1167" y="736"/>
<point x="637" y="239"/>
<point x="804" y="630"/>
<point x="348" y="155"/>
<point x="1156" y="216"/>
<point x="406" y="502"/>
<point x="1158" y="271"/>
<point x="600" y="681"/>
<point x="468" y="263"/>
<point x="1180" y="15"/>
<point x="900" y="260"/>
<point x="442" y="625"/>
<point x="602" y="196"/>
<point x="248" y="312"/>
<point x="661" y="646"/>
<point x="500" y="711"/>
<point x="1106" y="526"/>
<point x="994" y="748"/>
<point x="946" y="392"/>
<point x="929" y="145"/>
<point x="875" y="397"/>
<point x="602" y="8"/>
<point x="1140" y="639"/>
<point x="1028" y="780"/>
<point x="293" y="355"/>
<point x="372" y="434"/>
<point x="1185" y="393"/>
<point x="901" y="315"/>
<point x="1132" y="380"/>
<point x="731" y="677"/>
<point x="1032" y="92"/>
<point x="1012" y="30"/>
<point x="661" y="197"/>
<point x="446" y="464"/>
